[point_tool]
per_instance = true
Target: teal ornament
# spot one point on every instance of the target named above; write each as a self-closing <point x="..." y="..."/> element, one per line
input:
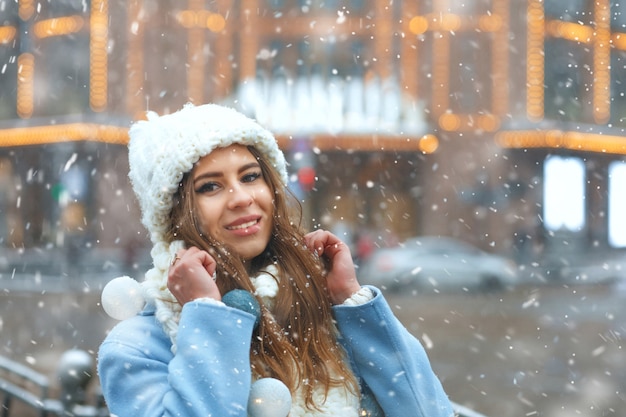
<point x="243" y="300"/>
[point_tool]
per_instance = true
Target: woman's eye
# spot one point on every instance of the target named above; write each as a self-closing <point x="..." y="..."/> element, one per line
<point x="206" y="188"/>
<point x="251" y="177"/>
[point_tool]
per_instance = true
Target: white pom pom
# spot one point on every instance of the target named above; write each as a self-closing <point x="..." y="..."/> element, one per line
<point x="122" y="298"/>
<point x="269" y="397"/>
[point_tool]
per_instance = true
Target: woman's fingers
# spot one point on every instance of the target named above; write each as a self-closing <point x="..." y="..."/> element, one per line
<point x="325" y="243"/>
<point x="341" y="278"/>
<point x="191" y="275"/>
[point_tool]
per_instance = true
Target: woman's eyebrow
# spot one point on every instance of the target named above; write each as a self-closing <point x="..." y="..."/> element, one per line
<point x="210" y="174"/>
<point x="206" y="175"/>
<point x="248" y="166"/>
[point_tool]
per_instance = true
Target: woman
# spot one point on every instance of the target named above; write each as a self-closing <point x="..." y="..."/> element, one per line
<point x="239" y="297"/>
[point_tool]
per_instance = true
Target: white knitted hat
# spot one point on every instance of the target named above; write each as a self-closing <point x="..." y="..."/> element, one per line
<point x="164" y="148"/>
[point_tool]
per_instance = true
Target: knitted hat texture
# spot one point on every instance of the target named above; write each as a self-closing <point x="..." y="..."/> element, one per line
<point x="163" y="148"/>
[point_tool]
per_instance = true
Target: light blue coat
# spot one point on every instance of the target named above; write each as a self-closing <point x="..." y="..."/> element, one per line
<point x="210" y="373"/>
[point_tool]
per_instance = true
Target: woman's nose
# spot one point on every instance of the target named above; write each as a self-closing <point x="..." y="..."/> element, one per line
<point x="239" y="197"/>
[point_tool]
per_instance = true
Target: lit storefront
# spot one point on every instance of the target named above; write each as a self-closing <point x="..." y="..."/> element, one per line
<point x="402" y="118"/>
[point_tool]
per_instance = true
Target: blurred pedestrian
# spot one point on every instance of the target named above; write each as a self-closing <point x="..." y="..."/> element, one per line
<point x="241" y="304"/>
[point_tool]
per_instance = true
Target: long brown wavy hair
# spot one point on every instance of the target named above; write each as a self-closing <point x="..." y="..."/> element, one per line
<point x="297" y="342"/>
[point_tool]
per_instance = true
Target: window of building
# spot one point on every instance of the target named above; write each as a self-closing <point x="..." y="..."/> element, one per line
<point x="618" y="88"/>
<point x="617" y="204"/>
<point x="8" y="76"/>
<point x="618" y="16"/>
<point x="564" y="194"/>
<point x="62" y="75"/>
<point x="9" y="51"/>
<point x="618" y="65"/>
<point x="333" y="6"/>
<point x="470" y="62"/>
<point x="567" y="10"/>
<point x="565" y="67"/>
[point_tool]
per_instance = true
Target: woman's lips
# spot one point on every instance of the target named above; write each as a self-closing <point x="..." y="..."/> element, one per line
<point x="243" y="225"/>
<point x="246" y="227"/>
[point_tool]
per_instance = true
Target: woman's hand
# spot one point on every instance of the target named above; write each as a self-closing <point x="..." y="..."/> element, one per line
<point x="341" y="278"/>
<point x="191" y="276"/>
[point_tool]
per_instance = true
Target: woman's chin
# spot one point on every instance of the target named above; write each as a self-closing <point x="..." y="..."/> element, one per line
<point x="250" y="250"/>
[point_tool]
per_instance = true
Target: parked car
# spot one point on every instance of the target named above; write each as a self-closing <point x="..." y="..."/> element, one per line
<point x="434" y="264"/>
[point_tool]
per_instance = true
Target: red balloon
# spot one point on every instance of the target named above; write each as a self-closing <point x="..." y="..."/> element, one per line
<point x="306" y="178"/>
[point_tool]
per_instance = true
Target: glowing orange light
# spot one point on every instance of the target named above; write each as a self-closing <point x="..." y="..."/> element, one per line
<point x="449" y="122"/>
<point x="428" y="143"/>
<point x="187" y="18"/>
<point x="98" y="60"/>
<point x="488" y="122"/>
<point x="535" y="61"/>
<point x="58" y="26"/>
<point x="450" y="22"/>
<point x="25" y="9"/>
<point x="570" y="31"/>
<point x="418" y="25"/>
<point x="587" y="142"/>
<point x="39" y="135"/>
<point x="25" y="81"/>
<point x="201" y="19"/>
<point x="215" y="22"/>
<point x="490" y="23"/>
<point x="7" y="34"/>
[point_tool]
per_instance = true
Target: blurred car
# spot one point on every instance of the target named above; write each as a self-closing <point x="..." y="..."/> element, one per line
<point x="594" y="270"/>
<point x="434" y="264"/>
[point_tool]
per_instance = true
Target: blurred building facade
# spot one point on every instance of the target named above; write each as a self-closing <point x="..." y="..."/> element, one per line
<point x="399" y="118"/>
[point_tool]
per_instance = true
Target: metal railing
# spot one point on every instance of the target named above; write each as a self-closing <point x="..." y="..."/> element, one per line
<point x="20" y="384"/>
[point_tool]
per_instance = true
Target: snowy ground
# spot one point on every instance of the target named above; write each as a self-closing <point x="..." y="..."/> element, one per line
<point x="543" y="351"/>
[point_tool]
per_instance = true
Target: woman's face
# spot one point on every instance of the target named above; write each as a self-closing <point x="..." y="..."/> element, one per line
<point x="234" y="201"/>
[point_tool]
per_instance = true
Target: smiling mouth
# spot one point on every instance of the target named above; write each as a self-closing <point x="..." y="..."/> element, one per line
<point x="243" y="225"/>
